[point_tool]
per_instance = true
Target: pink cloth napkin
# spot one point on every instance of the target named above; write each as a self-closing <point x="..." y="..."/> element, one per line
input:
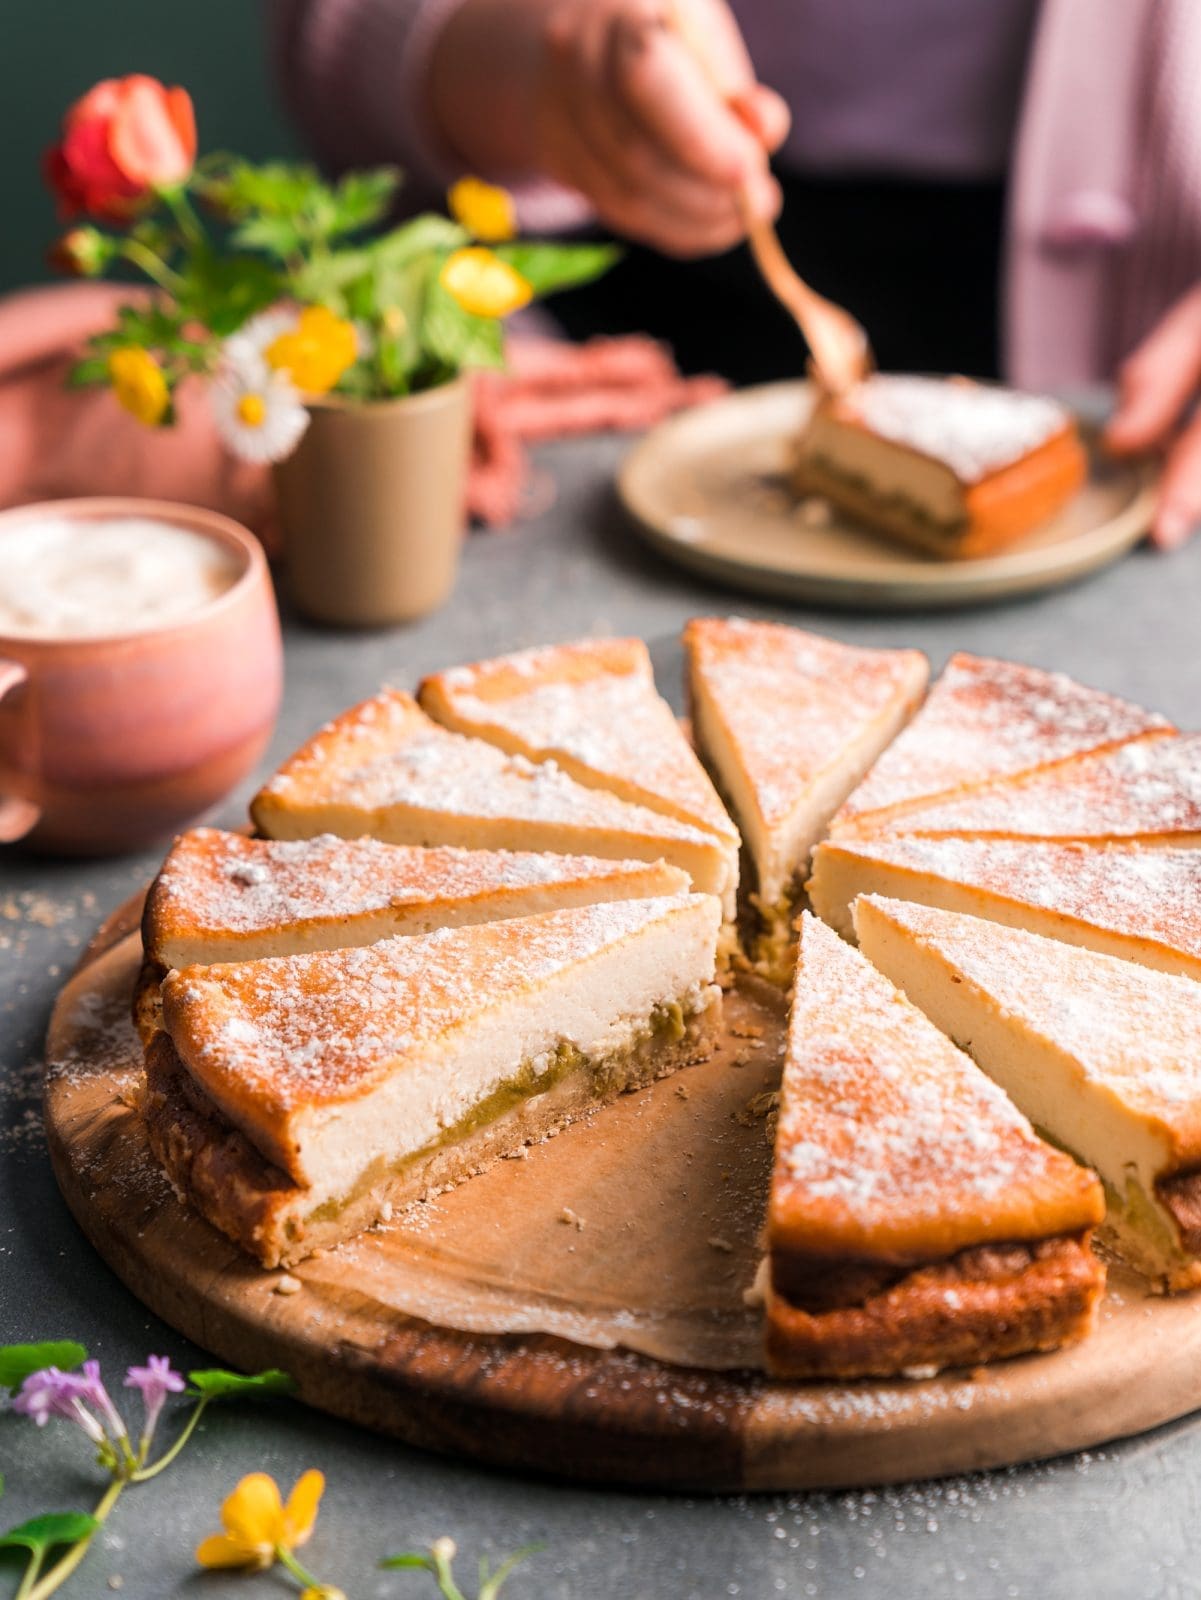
<point x="57" y="442"/>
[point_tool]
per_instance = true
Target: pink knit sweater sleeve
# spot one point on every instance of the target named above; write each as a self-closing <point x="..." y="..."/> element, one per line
<point x="353" y="74"/>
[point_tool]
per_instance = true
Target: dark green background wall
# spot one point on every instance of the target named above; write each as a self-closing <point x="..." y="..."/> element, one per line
<point x="51" y="52"/>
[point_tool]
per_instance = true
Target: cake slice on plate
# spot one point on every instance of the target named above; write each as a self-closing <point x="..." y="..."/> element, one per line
<point x="293" y="1100"/>
<point x="1147" y="791"/>
<point x="384" y="769"/>
<point x="1102" y="1055"/>
<point x="1140" y="904"/>
<point x="985" y="720"/>
<point x="593" y="708"/>
<point x="954" y="468"/>
<point x="223" y="897"/>
<point x="915" y="1219"/>
<point x="788" y="723"/>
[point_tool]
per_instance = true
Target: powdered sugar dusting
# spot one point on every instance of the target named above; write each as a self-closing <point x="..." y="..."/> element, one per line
<point x="1136" y="1031"/>
<point x="985" y="720"/>
<point x="214" y="882"/>
<point x="974" y="428"/>
<point x="884" y="1121"/>
<point x="1148" y="787"/>
<point x="792" y="702"/>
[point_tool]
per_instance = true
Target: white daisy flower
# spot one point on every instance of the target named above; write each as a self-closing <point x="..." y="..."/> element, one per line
<point x="258" y="413"/>
<point x="254" y="337"/>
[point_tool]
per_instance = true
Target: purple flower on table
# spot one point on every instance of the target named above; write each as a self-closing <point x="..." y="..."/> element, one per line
<point x="52" y="1393"/>
<point x="92" y="1391"/>
<point x="155" y="1381"/>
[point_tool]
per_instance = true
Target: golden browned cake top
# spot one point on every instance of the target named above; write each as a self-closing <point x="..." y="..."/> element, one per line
<point x="1144" y="892"/>
<point x="294" y="1032"/>
<point x="891" y="1143"/>
<point x="1135" y="1031"/>
<point x="214" y="882"/>
<point x="386" y="752"/>
<point x="792" y="702"/>
<point x="986" y="719"/>
<point x="593" y="703"/>
<point x="1148" y="787"/>
<point x="973" y="429"/>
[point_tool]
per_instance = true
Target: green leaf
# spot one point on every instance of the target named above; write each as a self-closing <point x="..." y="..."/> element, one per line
<point x="17" y="1361"/>
<point x="410" y="1558"/>
<point x="420" y="236"/>
<point x="216" y="1384"/>
<point x="547" y="267"/>
<point x="362" y="198"/>
<point x="42" y="1533"/>
<point x="223" y="292"/>
<point x="276" y="236"/>
<point x="457" y="339"/>
<point x="490" y="1587"/>
<point x="91" y="370"/>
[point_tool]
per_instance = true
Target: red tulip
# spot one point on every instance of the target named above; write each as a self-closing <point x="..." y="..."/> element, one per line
<point x="124" y="138"/>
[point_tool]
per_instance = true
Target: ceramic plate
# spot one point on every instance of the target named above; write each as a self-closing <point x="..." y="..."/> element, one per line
<point x="707" y="489"/>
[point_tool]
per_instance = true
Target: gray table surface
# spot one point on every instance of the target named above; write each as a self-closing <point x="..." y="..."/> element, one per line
<point x="1115" y="1522"/>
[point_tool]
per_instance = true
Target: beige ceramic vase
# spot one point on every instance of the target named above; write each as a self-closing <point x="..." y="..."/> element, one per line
<point x="371" y="504"/>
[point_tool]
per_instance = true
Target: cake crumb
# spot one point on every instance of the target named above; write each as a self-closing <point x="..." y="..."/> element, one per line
<point x="116" y="1581"/>
<point x="682" y="1090"/>
<point x="716" y="1242"/>
<point x="746" y="1030"/>
<point x="386" y="1212"/>
<point x="570" y="1217"/>
<point x="520" y="1154"/>
<point x="287" y="1284"/>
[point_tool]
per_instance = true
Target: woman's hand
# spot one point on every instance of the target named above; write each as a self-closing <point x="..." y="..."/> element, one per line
<point x="1157" y="387"/>
<point x="650" y="108"/>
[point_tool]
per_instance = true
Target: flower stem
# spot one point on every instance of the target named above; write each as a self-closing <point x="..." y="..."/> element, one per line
<point x="181" y="210"/>
<point x="66" y="1565"/>
<point x="30" y="1576"/>
<point x="155" y="268"/>
<point x="169" y="1456"/>
<point x="286" y="1559"/>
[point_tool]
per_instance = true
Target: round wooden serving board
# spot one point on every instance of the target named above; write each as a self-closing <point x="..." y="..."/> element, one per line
<point x="708" y="488"/>
<point x="637" y="1227"/>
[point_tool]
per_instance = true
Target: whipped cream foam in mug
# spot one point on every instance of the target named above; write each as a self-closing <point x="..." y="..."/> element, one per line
<point x="63" y="578"/>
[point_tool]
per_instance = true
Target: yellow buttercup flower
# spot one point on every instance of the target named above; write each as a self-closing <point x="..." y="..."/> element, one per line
<point x="259" y="1528"/>
<point x="139" y="384"/>
<point x="483" y="284"/>
<point x="483" y="209"/>
<point x="316" y="352"/>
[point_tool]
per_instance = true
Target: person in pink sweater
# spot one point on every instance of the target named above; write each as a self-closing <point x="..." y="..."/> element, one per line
<point x="1006" y="186"/>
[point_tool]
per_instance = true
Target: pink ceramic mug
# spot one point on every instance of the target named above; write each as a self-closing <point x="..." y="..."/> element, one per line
<point x="109" y="742"/>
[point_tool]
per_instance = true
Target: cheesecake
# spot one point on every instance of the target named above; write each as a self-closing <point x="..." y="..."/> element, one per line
<point x="1102" y="1055"/>
<point x="225" y="897"/>
<point x="788" y="723"/>
<point x="1147" y="791"/>
<point x="384" y="769"/>
<point x="949" y="467"/>
<point x="984" y="720"/>
<point x="593" y="708"/>
<point x="1141" y="904"/>
<point x="294" y="1099"/>
<point x="915" y="1220"/>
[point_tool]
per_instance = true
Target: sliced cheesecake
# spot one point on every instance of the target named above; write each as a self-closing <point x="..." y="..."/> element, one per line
<point x="224" y="897"/>
<point x="384" y="769"/>
<point x="788" y="723"/>
<point x="1102" y="1055"/>
<point x="593" y="708"/>
<point x="954" y="468"/>
<point x="984" y="720"/>
<point x="293" y="1100"/>
<point x="1141" y="904"/>
<point x="1147" y="791"/>
<point x="915" y="1219"/>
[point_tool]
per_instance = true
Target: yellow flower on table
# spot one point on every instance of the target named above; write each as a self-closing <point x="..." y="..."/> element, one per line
<point x="260" y="1528"/>
<point x="139" y="384"/>
<point x="483" y="284"/>
<point x="483" y="209"/>
<point x="316" y="352"/>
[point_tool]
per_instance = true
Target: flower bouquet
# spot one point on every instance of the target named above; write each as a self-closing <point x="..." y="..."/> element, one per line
<point x="328" y="345"/>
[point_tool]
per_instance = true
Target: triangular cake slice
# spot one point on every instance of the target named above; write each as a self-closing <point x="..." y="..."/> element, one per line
<point x="1138" y="903"/>
<point x="1147" y="791"/>
<point x="1102" y="1055"/>
<point x="985" y="720"/>
<point x="591" y="706"/>
<point x="225" y="897"/>
<point x="294" y="1100"/>
<point x="915" y="1219"/>
<point x="788" y="723"/>
<point x="384" y="769"/>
